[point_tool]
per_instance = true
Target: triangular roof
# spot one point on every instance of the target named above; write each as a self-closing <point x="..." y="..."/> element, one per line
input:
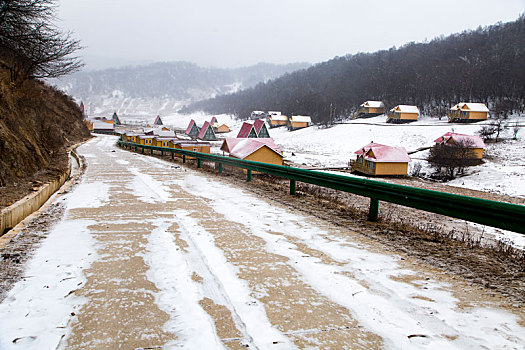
<point x="190" y="125"/>
<point x="207" y="129"/>
<point x="192" y="129"/>
<point x="246" y="130"/>
<point x="373" y="104"/>
<point x="115" y="118"/>
<point x="243" y="147"/>
<point x="471" y="106"/>
<point x="257" y="125"/>
<point x="377" y="152"/>
<point x="158" y="121"/>
<point x="261" y="129"/>
<point x="472" y="141"/>
<point x="405" y="109"/>
<point x="213" y="120"/>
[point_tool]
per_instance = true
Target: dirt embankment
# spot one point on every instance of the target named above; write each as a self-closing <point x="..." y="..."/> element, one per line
<point x="37" y="124"/>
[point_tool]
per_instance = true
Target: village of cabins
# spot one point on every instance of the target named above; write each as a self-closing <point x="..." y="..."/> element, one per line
<point x="253" y="141"/>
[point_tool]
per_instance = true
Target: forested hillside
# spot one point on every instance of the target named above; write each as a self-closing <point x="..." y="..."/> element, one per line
<point x="484" y="65"/>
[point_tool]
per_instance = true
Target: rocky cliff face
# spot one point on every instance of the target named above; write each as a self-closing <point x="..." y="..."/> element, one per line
<point x="37" y="124"/>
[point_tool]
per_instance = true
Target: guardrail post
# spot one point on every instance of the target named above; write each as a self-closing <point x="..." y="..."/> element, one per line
<point x="142" y="150"/>
<point x="161" y="153"/>
<point x="220" y="168"/>
<point x="198" y="162"/>
<point x="184" y="158"/>
<point x="249" y="175"/>
<point x="151" y="150"/>
<point x="373" y="213"/>
<point x="172" y="156"/>
<point x="292" y="187"/>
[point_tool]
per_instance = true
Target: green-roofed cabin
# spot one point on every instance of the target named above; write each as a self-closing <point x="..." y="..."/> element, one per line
<point x="116" y="119"/>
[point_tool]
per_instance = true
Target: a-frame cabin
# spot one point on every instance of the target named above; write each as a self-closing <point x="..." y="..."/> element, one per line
<point x="260" y="128"/>
<point x="192" y="130"/>
<point x="116" y="119"/>
<point x="247" y="131"/>
<point x="207" y="133"/>
<point x="158" y="121"/>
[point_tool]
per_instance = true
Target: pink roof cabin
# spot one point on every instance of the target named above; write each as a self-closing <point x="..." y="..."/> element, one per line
<point x="475" y="143"/>
<point x="213" y="120"/>
<point x="255" y="149"/>
<point x="260" y="128"/>
<point x="247" y="130"/>
<point x="378" y="159"/>
<point x="192" y="130"/>
<point x="207" y="133"/>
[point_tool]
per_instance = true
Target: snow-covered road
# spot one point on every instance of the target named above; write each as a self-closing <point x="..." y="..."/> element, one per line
<point x="150" y="255"/>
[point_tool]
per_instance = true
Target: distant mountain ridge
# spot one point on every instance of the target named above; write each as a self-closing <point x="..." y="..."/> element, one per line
<point x="163" y="87"/>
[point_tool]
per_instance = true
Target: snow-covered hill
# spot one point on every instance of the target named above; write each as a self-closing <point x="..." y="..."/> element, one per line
<point x="162" y="88"/>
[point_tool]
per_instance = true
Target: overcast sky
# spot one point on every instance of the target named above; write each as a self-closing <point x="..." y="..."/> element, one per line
<point x="233" y="33"/>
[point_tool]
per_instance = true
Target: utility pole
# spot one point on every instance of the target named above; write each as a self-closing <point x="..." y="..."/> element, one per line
<point x="330" y="114"/>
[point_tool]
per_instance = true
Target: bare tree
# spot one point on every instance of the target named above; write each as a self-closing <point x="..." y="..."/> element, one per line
<point x="451" y="159"/>
<point x="498" y="125"/>
<point x="31" y="46"/>
<point x="486" y="132"/>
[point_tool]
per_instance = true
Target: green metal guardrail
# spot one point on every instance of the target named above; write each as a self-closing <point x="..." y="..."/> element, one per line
<point x="486" y="212"/>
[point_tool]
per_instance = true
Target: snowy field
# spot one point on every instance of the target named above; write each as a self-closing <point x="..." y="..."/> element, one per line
<point x="503" y="171"/>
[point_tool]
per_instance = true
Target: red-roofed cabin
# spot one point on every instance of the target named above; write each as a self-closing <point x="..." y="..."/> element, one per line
<point x="207" y="133"/>
<point x="247" y="131"/>
<point x="260" y="128"/>
<point x="474" y="144"/>
<point x="158" y="121"/>
<point x="262" y="150"/>
<point x="376" y="159"/>
<point x="192" y="130"/>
